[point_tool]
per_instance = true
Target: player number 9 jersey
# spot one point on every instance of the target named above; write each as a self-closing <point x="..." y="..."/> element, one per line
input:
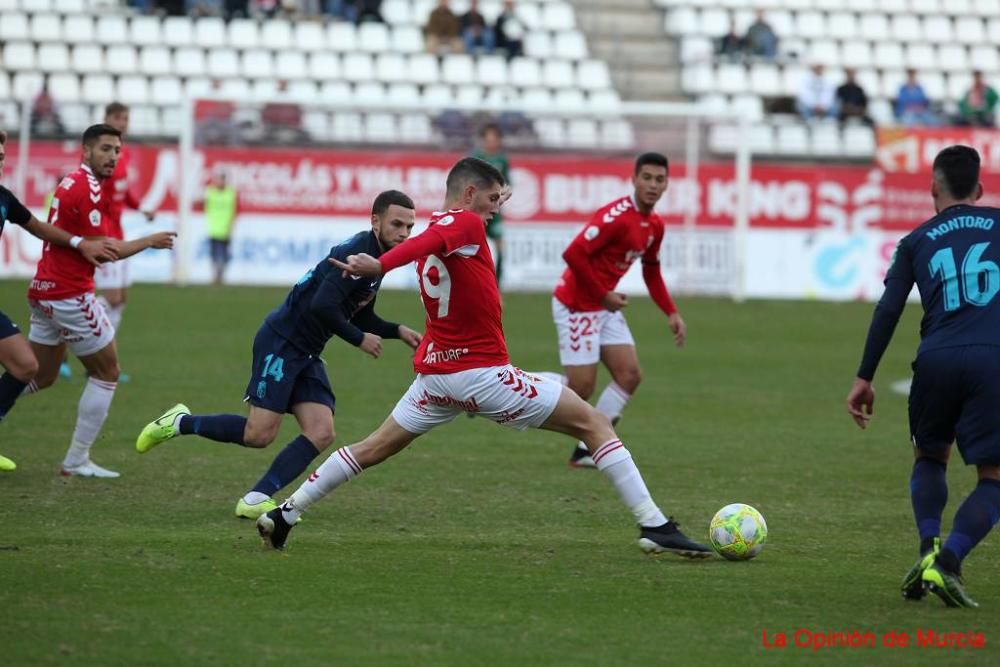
<point x="459" y="291"/>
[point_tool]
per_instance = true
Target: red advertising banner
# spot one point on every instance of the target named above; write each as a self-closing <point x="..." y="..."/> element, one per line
<point x="558" y="189"/>
<point x="912" y="150"/>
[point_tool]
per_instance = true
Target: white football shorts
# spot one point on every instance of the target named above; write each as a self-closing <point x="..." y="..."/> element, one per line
<point x="581" y="334"/>
<point x="503" y="394"/>
<point x="80" y="322"/>
<point x="112" y="275"/>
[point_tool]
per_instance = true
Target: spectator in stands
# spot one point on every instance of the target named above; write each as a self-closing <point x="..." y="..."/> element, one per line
<point x="510" y="30"/>
<point x="443" y="29"/>
<point x="232" y="9"/>
<point x="45" y="119"/>
<point x="978" y="107"/>
<point x="282" y="120"/>
<point x="761" y="40"/>
<point x="913" y="107"/>
<point x="852" y="102"/>
<point x="197" y="8"/>
<point x="478" y="36"/>
<point x="730" y="45"/>
<point x="816" y="98"/>
<point x="369" y="11"/>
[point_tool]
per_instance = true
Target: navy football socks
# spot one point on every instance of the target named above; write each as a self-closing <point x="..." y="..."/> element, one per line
<point x="974" y="519"/>
<point x="287" y="465"/>
<point x="929" y="495"/>
<point x="222" y="428"/>
<point x="10" y="389"/>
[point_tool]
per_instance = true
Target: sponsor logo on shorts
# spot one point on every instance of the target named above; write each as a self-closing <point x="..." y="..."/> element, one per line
<point x="261" y="389"/>
<point x="468" y="405"/>
<point x="510" y="416"/>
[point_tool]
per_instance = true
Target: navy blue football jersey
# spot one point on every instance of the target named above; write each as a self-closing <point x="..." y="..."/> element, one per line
<point x="954" y="259"/>
<point x="12" y="209"/>
<point x="324" y="303"/>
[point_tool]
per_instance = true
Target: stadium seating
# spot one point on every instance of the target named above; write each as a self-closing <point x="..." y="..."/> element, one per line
<point x="944" y="39"/>
<point x="94" y="51"/>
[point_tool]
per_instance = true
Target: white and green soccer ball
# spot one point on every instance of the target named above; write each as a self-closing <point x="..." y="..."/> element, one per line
<point x="738" y="532"/>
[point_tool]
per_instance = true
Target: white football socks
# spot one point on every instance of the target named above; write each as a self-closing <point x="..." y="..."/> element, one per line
<point x="611" y="403"/>
<point x="91" y="413"/>
<point x="339" y="467"/>
<point x="616" y="463"/>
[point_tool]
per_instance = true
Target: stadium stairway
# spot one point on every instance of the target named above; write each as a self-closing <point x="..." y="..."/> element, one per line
<point x="628" y="35"/>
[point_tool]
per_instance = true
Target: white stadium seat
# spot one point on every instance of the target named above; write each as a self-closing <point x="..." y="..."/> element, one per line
<point x="407" y="39"/>
<point x="276" y="35"/>
<point x="415" y="129"/>
<point x="121" y="59"/>
<point x="165" y="90"/>
<point x="190" y="61"/>
<point x="380" y="128"/>
<point x="889" y="55"/>
<point x="178" y="31"/>
<point x="792" y="140"/>
<point x="492" y="71"/>
<point x="569" y="100"/>
<point x="824" y="139"/>
<point x="341" y="37"/>
<point x="842" y="25"/>
<point x="617" y="135"/>
<point x="14" y="26"/>
<point x="290" y="65"/>
<point x="302" y="90"/>
<point x="145" y="31"/>
<point x="765" y="79"/>
<point x="223" y="63"/>
<point x="46" y="28"/>
<point x="938" y="29"/>
<point x="423" y="69"/>
<point x="457" y="69"/>
<point x="335" y="92"/>
<point x="77" y="29"/>
<point x="391" y="67"/>
<point x="19" y="56"/>
<point x="243" y="34"/>
<point x="53" y="57"/>
<point x="557" y="74"/>
<point x="538" y="45"/>
<point x="373" y="37"/>
<point x="953" y="58"/>
<point x="257" y="64"/>
<point x="856" y="54"/>
<point x="593" y="75"/>
<point x="437" y="95"/>
<point x="970" y="30"/>
<point x="111" y="29"/>
<point x="97" y="89"/>
<point x="605" y="100"/>
<point x="582" y="133"/>
<point x="469" y="94"/>
<point x="921" y="56"/>
<point x="731" y="78"/>
<point x="810" y="25"/>
<point x="324" y="66"/>
<point x="358" y="67"/>
<point x="537" y="99"/>
<point x="65" y="88"/>
<point x="347" y="126"/>
<point x="133" y="90"/>
<point x="397" y="12"/>
<point x="402" y="94"/>
<point x="874" y="27"/>
<point x="525" y="72"/>
<point x="558" y="16"/>
<point x="26" y="85"/>
<point x="570" y="45"/>
<point x="310" y="36"/>
<point x="155" y="60"/>
<point x="210" y="33"/>
<point x="906" y="28"/>
<point x="713" y="22"/>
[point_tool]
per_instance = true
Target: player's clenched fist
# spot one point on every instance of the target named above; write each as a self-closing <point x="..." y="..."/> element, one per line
<point x="372" y="344"/>
<point x="362" y="264"/>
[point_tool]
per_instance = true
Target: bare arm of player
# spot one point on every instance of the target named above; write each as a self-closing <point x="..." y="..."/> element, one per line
<point x="661" y="297"/>
<point x="96" y="251"/>
<point x="158" y="241"/>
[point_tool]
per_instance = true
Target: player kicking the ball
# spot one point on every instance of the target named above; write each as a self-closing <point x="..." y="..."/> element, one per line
<point x="462" y="366"/>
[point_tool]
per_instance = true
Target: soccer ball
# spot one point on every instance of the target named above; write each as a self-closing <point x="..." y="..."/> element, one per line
<point x="737" y="532"/>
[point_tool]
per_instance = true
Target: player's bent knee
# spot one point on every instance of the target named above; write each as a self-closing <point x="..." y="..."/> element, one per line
<point x="582" y="388"/>
<point x="321" y="438"/>
<point x="630" y="379"/>
<point x="255" y="436"/>
<point x="24" y="368"/>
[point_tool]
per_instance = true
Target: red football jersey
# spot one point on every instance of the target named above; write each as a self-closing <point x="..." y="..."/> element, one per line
<point x="81" y="207"/>
<point x="462" y="300"/>
<point x="614" y="238"/>
<point x="121" y="197"/>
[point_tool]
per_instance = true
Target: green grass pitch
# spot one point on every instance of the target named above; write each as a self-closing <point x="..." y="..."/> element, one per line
<point x="478" y="545"/>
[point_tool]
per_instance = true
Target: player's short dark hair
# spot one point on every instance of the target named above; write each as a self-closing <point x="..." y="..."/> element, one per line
<point x="957" y="168"/>
<point x="95" y="132"/>
<point x="115" y="108"/>
<point x="490" y="127"/>
<point x="391" y="198"/>
<point x="472" y="170"/>
<point x="655" y="159"/>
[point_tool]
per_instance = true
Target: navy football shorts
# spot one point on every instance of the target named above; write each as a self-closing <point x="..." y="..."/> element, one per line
<point x="955" y="397"/>
<point x="284" y="376"/>
<point x="7" y="327"/>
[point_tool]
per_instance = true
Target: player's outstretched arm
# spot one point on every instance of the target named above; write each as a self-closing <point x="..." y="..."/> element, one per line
<point x="428" y="243"/>
<point x="359" y="265"/>
<point x="157" y="241"/>
<point x="409" y="336"/>
<point x="96" y="250"/>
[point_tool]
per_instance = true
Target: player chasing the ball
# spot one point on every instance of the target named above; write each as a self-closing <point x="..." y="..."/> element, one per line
<point x="462" y="365"/>
<point x="287" y="373"/>
<point x="954" y="259"/>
